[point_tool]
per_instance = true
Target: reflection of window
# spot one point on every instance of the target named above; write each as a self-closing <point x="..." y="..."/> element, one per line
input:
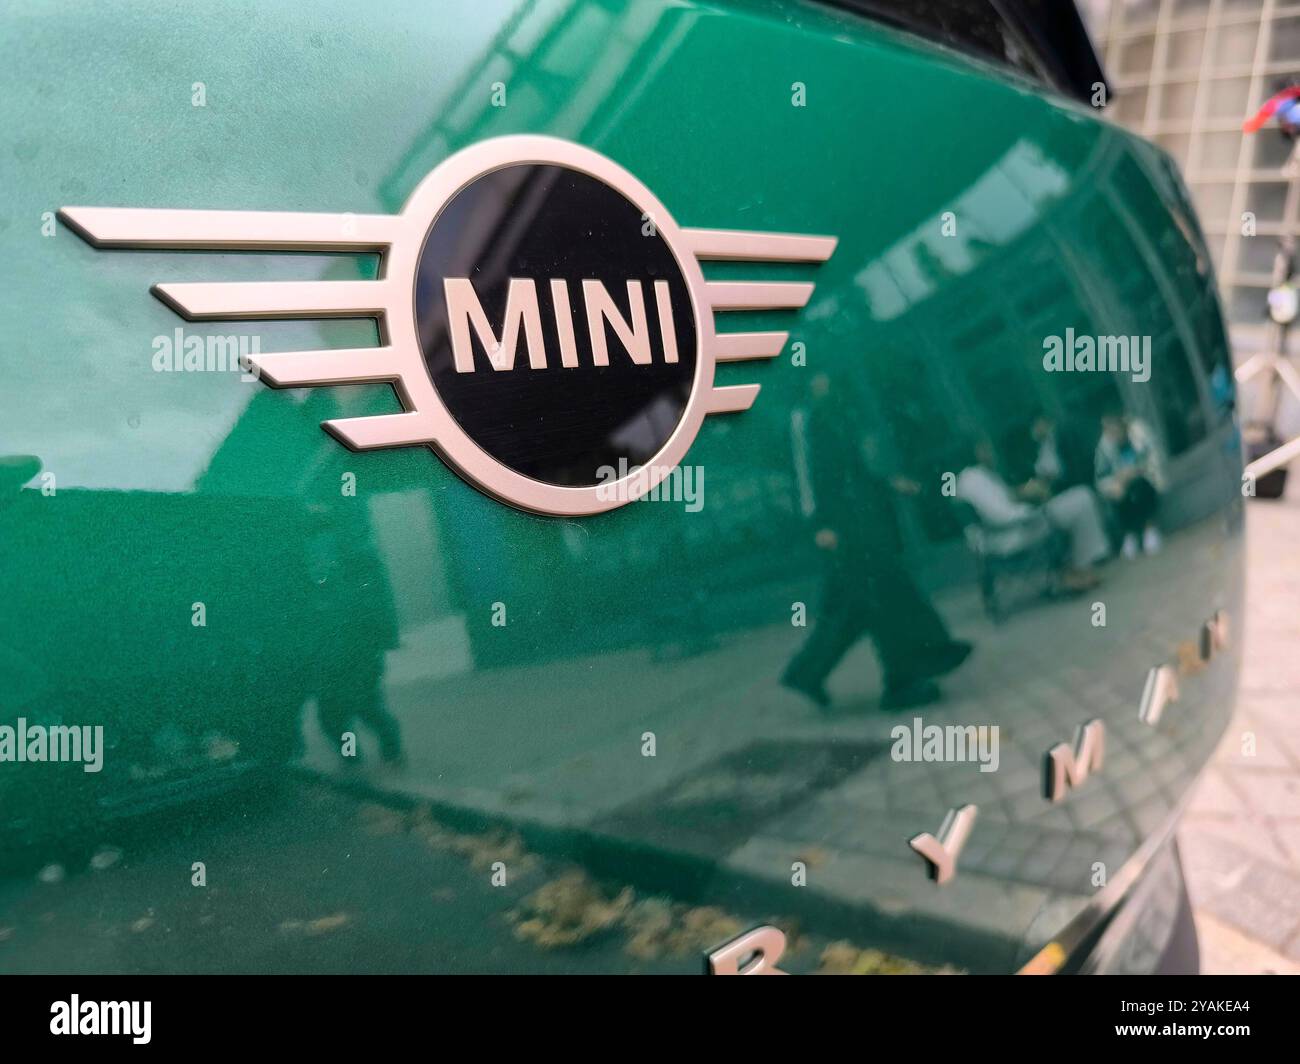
<point x="1228" y="97"/>
<point x="1219" y="151"/>
<point x="1214" y="202"/>
<point x="1185" y="50"/>
<point x="1135" y="56"/>
<point x="1271" y="149"/>
<point x="1256" y="256"/>
<point x="1266" y="199"/>
<point x="1285" y="42"/>
<point x="1178" y="101"/>
<point x="1130" y="106"/>
<point x="1247" y="303"/>
<point x="1135" y="305"/>
<point x="1216" y="359"/>
<point x="1139" y="12"/>
<point x="1178" y="400"/>
<point x="1234" y="44"/>
<point x="1176" y="144"/>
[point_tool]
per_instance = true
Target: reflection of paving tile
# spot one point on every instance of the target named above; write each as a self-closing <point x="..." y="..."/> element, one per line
<point x="1169" y="773"/>
<point x="1027" y="803"/>
<point x="1253" y="836"/>
<point x="1270" y="748"/>
<point x="722" y="803"/>
<point x="988" y="840"/>
<point x="1267" y="791"/>
<point x="1290" y="747"/>
<point x="1266" y="905"/>
<point x="1042" y="864"/>
<point x="1136" y="789"/>
<point x="1227" y="951"/>
<point x="1279" y="716"/>
<point x="1149" y="815"/>
<point x="1211" y="868"/>
<point x="1288" y="834"/>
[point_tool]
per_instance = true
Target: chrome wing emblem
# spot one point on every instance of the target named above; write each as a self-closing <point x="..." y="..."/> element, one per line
<point x="398" y="359"/>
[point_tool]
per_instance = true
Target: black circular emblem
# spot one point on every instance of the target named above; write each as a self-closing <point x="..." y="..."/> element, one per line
<point x="555" y="323"/>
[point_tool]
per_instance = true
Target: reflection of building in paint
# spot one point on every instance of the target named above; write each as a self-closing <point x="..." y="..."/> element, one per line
<point x="571" y="69"/>
<point x="1005" y="282"/>
<point x="995" y="210"/>
<point x="936" y="314"/>
<point x="1186" y="74"/>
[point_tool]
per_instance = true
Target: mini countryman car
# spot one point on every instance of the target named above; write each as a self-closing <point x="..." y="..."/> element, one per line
<point x="555" y="486"/>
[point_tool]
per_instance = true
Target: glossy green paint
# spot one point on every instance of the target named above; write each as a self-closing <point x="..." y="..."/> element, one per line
<point x="171" y="489"/>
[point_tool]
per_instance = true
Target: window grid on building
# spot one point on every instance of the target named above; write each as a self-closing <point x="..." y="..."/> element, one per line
<point x="1186" y="74"/>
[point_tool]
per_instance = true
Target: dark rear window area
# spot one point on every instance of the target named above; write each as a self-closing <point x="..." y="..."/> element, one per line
<point x="1044" y="39"/>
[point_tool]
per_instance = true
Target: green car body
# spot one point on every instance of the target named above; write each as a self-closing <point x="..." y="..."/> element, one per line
<point x="592" y="764"/>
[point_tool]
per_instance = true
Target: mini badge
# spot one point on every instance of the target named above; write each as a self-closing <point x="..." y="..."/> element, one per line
<point x="542" y="317"/>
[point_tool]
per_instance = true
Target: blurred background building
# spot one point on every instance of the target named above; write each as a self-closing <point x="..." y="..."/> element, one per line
<point x="1186" y="74"/>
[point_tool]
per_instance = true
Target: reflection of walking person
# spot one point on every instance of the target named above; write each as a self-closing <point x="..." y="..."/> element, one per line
<point x="356" y="623"/>
<point x="867" y="590"/>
